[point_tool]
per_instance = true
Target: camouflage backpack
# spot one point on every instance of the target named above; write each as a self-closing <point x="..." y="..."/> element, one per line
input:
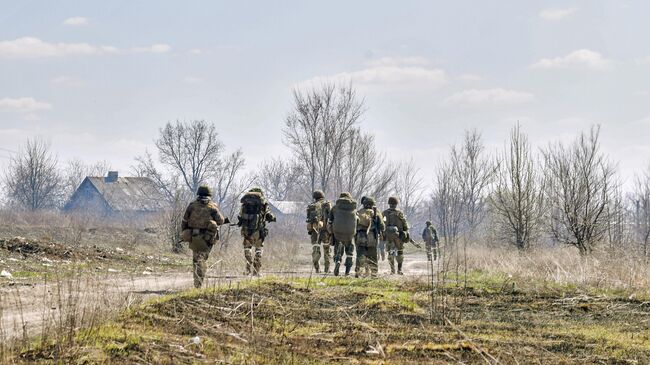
<point x="344" y="225"/>
<point x="315" y="212"/>
<point x="366" y="217"/>
<point x="253" y="209"/>
<point x="201" y="217"/>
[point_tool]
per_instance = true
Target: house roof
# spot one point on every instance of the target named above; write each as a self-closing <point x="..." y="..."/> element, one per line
<point x="288" y="207"/>
<point x="129" y="193"/>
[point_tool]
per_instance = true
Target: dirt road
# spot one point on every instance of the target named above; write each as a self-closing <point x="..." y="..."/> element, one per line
<point x="28" y="309"/>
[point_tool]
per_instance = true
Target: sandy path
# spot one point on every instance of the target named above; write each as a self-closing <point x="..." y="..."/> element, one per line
<point x="28" y="309"/>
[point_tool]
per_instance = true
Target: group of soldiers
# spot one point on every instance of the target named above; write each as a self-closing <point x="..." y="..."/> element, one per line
<point x="367" y="232"/>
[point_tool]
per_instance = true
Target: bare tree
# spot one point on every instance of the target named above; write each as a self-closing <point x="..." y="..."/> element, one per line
<point x="318" y="127"/>
<point x="282" y="180"/>
<point x="168" y="184"/>
<point x="641" y="210"/>
<point x="192" y="150"/>
<point x="408" y="186"/>
<point x="447" y="201"/>
<point x="362" y="169"/>
<point x="578" y="187"/>
<point x="517" y="197"/>
<point x="474" y="172"/>
<point x="32" y="178"/>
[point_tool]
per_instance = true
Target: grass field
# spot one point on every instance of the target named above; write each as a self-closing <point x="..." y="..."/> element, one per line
<point x="332" y="320"/>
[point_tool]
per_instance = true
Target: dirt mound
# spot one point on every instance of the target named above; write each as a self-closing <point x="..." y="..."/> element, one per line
<point x="31" y="247"/>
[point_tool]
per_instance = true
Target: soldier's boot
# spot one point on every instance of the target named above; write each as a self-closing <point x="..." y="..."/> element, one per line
<point x="400" y="261"/>
<point x="257" y="262"/>
<point x="199" y="273"/>
<point x="348" y="265"/>
<point x="337" y="266"/>
<point x="326" y="258"/>
<point x="248" y="255"/>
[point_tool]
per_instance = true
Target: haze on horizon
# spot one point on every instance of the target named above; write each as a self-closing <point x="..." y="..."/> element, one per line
<point x="98" y="79"/>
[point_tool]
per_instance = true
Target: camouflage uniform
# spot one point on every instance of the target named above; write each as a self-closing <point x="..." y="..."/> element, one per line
<point x="318" y="231"/>
<point x="200" y="226"/>
<point x="254" y="239"/>
<point x="341" y="247"/>
<point x="367" y="238"/>
<point x="430" y="238"/>
<point x="396" y="230"/>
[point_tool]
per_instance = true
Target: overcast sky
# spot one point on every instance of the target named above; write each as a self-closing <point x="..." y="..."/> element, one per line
<point x="99" y="78"/>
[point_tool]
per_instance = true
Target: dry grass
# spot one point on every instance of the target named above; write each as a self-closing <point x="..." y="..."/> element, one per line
<point x="621" y="269"/>
<point x="306" y="321"/>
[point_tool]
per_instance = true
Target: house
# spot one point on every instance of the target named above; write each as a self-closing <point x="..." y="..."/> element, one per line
<point x="284" y="210"/>
<point x="115" y="195"/>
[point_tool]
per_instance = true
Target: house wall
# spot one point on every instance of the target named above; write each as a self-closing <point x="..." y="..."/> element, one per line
<point x="87" y="200"/>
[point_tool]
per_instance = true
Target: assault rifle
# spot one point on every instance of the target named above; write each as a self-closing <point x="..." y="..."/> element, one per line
<point x="415" y="243"/>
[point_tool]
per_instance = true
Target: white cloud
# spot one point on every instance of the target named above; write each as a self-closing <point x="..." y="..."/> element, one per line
<point x="23" y="105"/>
<point x="489" y="97"/>
<point x="555" y="14"/>
<point x="76" y="21"/>
<point x="470" y="77"/>
<point x="195" y="51"/>
<point x="389" y="72"/>
<point x="30" y="47"/>
<point x="156" y="48"/>
<point x="399" y="61"/>
<point x="582" y="58"/>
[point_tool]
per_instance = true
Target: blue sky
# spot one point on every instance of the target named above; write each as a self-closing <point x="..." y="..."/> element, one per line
<point x="99" y="78"/>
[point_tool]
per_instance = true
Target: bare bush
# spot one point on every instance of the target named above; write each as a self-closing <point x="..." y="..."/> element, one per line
<point x="578" y="186"/>
<point x="408" y="187"/>
<point x="517" y="197"/>
<point x="32" y="179"/>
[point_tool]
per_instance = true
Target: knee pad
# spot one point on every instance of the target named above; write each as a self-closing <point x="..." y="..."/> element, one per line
<point x="392" y="252"/>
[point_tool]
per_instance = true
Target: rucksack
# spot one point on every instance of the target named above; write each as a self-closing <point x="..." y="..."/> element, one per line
<point x="253" y="209"/>
<point x="344" y="225"/>
<point x="201" y="217"/>
<point x="366" y="216"/>
<point x="315" y="212"/>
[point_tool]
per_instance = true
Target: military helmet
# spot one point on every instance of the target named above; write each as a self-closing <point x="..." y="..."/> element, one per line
<point x="204" y="190"/>
<point x="318" y="194"/>
<point x="428" y="223"/>
<point x="345" y="194"/>
<point x="393" y="200"/>
<point x="363" y="199"/>
<point x="255" y="190"/>
<point x="369" y="202"/>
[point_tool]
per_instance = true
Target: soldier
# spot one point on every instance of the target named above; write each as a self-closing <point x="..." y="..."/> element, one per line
<point x="317" y="215"/>
<point x="343" y="224"/>
<point x="397" y="232"/>
<point x="430" y="238"/>
<point x="370" y="227"/>
<point x="200" y="226"/>
<point x="253" y="216"/>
